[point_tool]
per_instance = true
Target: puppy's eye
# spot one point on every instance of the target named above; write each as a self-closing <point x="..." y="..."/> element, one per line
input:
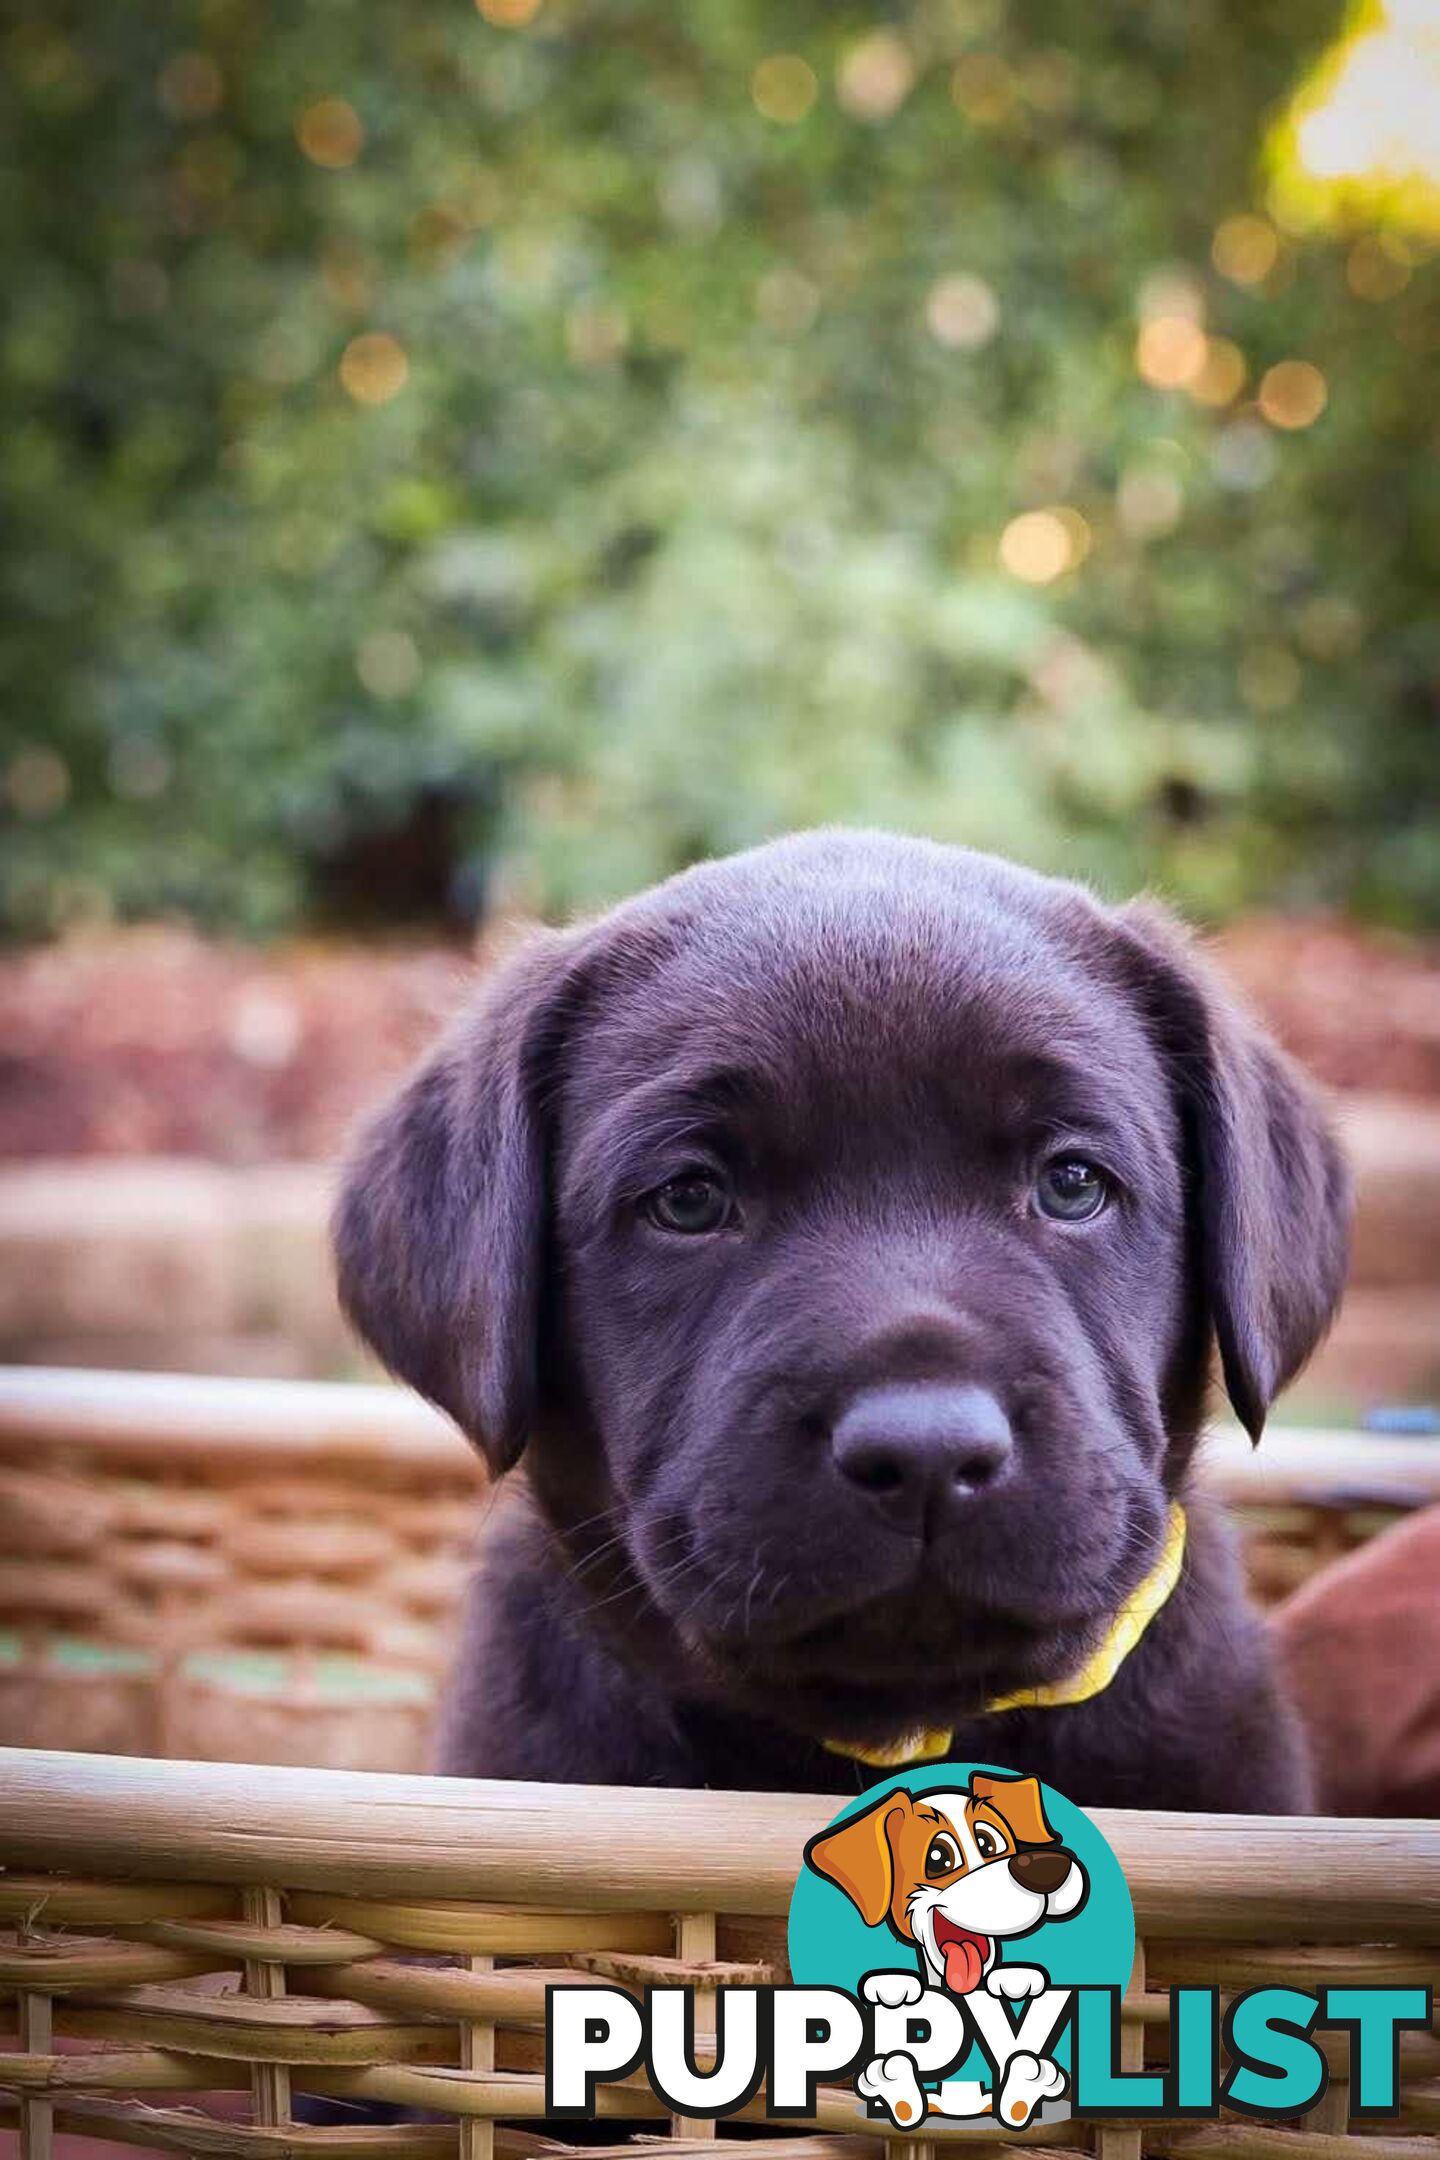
<point x="943" y="1857"/>
<point x="988" y="1841"/>
<point x="690" y="1206"/>
<point x="1070" y="1189"/>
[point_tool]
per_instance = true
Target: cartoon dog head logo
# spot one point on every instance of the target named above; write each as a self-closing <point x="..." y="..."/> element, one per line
<point x="956" y="1872"/>
<point x="960" y="1863"/>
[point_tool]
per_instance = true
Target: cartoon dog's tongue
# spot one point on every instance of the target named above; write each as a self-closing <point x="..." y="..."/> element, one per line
<point x="963" y="1954"/>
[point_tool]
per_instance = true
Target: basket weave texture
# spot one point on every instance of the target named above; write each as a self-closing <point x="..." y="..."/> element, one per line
<point x="194" y="1952"/>
<point x="210" y="1943"/>
<point x="227" y="1570"/>
<point x="268" y="1571"/>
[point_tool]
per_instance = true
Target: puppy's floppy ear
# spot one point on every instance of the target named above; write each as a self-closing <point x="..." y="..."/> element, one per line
<point x="858" y="1857"/>
<point x="439" y="1230"/>
<point x="1270" y="1186"/>
<point x="1019" y="1800"/>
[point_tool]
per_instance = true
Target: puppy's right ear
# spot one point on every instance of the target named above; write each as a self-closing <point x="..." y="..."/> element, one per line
<point x="1269" y="1188"/>
<point x="857" y="1856"/>
<point x="439" y="1230"/>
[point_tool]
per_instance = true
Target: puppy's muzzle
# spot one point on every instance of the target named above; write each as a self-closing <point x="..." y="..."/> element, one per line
<point x="1041" y="1871"/>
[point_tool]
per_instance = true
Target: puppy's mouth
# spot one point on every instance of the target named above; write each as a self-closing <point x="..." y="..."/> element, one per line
<point x="962" y="1953"/>
<point x="836" y="1654"/>
<point x="864" y="1674"/>
<point x="778" y="1608"/>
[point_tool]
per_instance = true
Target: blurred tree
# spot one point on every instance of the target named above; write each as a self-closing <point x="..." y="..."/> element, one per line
<point x="456" y="452"/>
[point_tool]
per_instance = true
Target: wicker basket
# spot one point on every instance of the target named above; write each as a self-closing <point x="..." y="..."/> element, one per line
<point x="234" y="1570"/>
<point x="213" y="1942"/>
<point x="208" y="1568"/>
<point x="226" y="1569"/>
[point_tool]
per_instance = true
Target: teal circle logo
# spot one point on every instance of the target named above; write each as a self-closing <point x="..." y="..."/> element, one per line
<point x="962" y="1903"/>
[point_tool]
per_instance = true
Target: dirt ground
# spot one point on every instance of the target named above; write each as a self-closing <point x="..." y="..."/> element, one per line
<point x="160" y="1042"/>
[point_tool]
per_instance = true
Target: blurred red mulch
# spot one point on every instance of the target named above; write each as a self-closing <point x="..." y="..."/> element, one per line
<point x="1361" y="1008"/>
<point x="160" y="1042"/>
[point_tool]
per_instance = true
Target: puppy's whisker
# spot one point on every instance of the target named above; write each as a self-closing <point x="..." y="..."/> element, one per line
<point x="665" y="1580"/>
<point x="588" y="1522"/>
<point x="715" y="1583"/>
<point x="632" y="1589"/>
<point x="618" y="1540"/>
<point x="597" y="1554"/>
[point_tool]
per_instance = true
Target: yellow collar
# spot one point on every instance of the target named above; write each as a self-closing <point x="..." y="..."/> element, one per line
<point x="932" y="1743"/>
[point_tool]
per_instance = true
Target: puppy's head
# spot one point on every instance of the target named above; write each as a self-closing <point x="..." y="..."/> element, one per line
<point x="954" y="1872"/>
<point x="845" y="1226"/>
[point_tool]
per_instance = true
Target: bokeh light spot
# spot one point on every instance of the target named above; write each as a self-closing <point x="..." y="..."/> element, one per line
<point x="1170" y="351"/>
<point x="1293" y="394"/>
<point x="1176" y="291"/>
<point x="875" y="76"/>
<point x="330" y="133"/>
<point x="509" y="14"/>
<point x="1078" y="532"/>
<point x="388" y="663"/>
<point x="784" y="88"/>
<point x="374" y="368"/>
<point x="1149" y="501"/>
<point x="1041" y="545"/>
<point x="1222" y="376"/>
<point x="37" y="783"/>
<point x="962" y="311"/>
<point x="1245" y="249"/>
<point x="1243" y="458"/>
<point x="982" y="87"/>
<point x="265" y="1027"/>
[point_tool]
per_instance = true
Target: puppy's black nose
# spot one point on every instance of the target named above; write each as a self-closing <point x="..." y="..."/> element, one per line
<point x="922" y="1448"/>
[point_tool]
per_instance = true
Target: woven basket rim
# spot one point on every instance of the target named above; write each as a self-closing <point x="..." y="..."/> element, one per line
<point x="632" y="1849"/>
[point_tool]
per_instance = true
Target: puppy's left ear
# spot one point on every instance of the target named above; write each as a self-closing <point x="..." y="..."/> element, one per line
<point x="1019" y="1800"/>
<point x="1269" y="1184"/>
<point x="440" y="1227"/>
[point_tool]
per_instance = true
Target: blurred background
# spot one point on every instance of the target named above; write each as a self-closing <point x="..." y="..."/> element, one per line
<point x="463" y="462"/>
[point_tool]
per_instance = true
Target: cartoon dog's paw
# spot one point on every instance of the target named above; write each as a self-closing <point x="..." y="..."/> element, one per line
<point x="1028" y="2082"/>
<point x="892" y="1990"/>
<point x="891" y="2080"/>
<point x="1016" y="1983"/>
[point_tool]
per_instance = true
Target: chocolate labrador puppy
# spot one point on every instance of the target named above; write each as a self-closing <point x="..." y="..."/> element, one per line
<point x="840" y="1232"/>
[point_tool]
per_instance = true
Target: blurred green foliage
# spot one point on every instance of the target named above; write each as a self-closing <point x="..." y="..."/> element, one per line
<point x="684" y="523"/>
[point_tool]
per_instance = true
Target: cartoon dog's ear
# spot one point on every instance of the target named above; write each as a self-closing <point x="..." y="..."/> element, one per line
<point x="1018" y="1799"/>
<point x="439" y="1228"/>
<point x="1271" y="1190"/>
<point x="859" y="1858"/>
